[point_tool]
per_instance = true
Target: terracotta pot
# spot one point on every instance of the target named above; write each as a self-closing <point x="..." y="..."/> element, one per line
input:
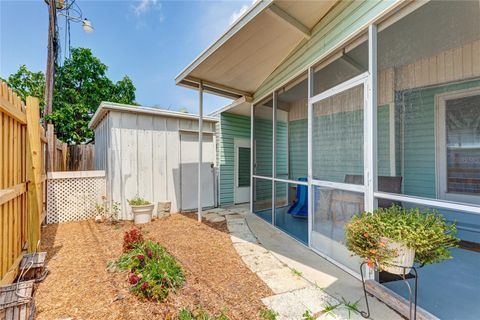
<point x="142" y="214"/>
<point x="405" y="257"/>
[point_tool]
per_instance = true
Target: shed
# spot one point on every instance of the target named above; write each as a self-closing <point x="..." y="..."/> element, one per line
<point x="153" y="153"/>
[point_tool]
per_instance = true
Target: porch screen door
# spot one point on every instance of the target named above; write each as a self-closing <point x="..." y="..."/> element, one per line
<point x="337" y="167"/>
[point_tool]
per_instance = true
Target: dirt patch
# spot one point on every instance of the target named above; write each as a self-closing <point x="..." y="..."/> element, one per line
<point x="79" y="286"/>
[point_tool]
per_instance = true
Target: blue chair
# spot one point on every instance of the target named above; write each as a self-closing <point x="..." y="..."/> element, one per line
<point x="300" y="207"/>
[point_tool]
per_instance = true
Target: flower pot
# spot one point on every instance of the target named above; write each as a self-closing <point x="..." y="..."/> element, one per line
<point x="142" y="214"/>
<point x="405" y="257"/>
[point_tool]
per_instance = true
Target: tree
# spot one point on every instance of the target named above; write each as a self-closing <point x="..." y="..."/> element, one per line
<point x="27" y="83"/>
<point x="80" y="85"/>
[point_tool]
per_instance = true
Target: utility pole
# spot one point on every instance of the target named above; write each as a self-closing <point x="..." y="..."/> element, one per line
<point x="51" y="56"/>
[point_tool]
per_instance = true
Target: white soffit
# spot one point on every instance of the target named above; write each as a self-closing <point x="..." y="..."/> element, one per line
<point x="254" y="46"/>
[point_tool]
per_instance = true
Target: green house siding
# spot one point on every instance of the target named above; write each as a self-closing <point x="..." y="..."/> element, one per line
<point x="231" y="126"/>
<point x="346" y="18"/>
<point x="415" y="114"/>
<point x="298" y="149"/>
<point x="263" y="135"/>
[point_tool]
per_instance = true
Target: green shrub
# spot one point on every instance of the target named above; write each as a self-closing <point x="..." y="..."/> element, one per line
<point x="153" y="271"/>
<point x="138" y="201"/>
<point x="425" y="231"/>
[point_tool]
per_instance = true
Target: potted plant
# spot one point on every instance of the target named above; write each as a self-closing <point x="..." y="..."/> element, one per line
<point x="142" y="209"/>
<point x="392" y="239"/>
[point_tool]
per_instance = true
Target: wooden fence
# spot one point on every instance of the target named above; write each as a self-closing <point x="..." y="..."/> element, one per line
<point x="22" y="179"/>
<point x="81" y="157"/>
<point x="57" y="152"/>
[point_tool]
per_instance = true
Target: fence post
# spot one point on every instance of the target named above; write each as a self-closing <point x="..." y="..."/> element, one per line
<point x="51" y="148"/>
<point x="64" y="156"/>
<point x="34" y="173"/>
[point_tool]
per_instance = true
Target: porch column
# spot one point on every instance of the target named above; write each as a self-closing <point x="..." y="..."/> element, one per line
<point x="200" y="148"/>
<point x="310" y="154"/>
<point x="370" y="131"/>
<point x="252" y="159"/>
<point x="370" y="123"/>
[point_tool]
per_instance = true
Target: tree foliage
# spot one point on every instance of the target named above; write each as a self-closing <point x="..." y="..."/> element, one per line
<point x="27" y="83"/>
<point x="81" y="84"/>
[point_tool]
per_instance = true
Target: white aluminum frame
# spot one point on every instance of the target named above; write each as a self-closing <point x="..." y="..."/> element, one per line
<point x="370" y="186"/>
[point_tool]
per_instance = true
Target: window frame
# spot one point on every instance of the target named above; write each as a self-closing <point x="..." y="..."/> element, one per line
<point x="441" y="147"/>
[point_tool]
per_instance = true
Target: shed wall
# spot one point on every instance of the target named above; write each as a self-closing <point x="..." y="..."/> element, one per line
<point x="145" y="158"/>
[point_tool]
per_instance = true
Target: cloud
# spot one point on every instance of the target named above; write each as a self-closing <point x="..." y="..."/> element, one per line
<point x="238" y="13"/>
<point x="145" y="6"/>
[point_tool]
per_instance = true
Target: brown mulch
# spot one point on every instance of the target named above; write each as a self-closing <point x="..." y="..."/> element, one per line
<point x="79" y="286"/>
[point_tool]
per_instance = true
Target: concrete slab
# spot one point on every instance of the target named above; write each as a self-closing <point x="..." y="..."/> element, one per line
<point x="282" y="280"/>
<point x="247" y="248"/>
<point x="262" y="262"/>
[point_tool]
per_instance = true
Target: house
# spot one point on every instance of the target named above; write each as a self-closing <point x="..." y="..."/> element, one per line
<point x="329" y="92"/>
<point x="151" y="152"/>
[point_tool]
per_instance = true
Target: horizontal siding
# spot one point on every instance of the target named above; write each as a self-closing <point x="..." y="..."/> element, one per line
<point x="263" y="133"/>
<point x="231" y="126"/>
<point x="415" y="125"/>
<point x="342" y="21"/>
<point x="298" y="149"/>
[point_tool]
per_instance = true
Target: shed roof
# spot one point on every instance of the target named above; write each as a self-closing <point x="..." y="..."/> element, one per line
<point x="106" y="107"/>
<point x="254" y="46"/>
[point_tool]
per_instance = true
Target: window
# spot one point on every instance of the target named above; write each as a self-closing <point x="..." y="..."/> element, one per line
<point x="458" y="135"/>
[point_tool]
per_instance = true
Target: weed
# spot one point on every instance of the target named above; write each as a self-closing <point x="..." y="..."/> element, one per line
<point x="268" y="314"/>
<point x="296" y="272"/>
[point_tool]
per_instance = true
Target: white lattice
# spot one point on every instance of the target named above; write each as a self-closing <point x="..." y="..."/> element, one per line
<point x="71" y="196"/>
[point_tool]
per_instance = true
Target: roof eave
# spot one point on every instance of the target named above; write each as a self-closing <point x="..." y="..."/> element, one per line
<point x="254" y="10"/>
<point x="106" y="107"/>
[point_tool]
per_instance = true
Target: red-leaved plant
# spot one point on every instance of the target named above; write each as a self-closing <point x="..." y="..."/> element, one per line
<point x="131" y="238"/>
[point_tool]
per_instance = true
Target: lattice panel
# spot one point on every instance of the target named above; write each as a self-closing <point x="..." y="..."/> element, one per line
<point x="73" y="199"/>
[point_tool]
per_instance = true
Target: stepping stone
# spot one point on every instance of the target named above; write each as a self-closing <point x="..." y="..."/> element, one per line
<point x="262" y="262"/>
<point x="209" y="215"/>
<point x="216" y="219"/>
<point x="226" y="212"/>
<point x="238" y="227"/>
<point x="235" y="221"/>
<point x="286" y="305"/>
<point x="238" y="237"/>
<point x="234" y="216"/>
<point x="314" y="298"/>
<point x="247" y="248"/>
<point x="282" y="280"/>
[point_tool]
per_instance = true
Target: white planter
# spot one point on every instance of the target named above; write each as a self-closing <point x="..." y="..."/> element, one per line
<point x="142" y="214"/>
<point x="405" y="258"/>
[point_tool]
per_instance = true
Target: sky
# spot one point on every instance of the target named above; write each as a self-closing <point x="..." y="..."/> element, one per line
<point x="151" y="41"/>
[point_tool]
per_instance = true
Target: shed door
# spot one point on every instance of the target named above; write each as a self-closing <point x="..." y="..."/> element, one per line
<point x="189" y="169"/>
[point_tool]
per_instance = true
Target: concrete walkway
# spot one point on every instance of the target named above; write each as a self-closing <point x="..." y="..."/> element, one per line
<point x="301" y="280"/>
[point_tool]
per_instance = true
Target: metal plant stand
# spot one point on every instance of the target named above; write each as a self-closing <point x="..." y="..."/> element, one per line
<point x="412" y="297"/>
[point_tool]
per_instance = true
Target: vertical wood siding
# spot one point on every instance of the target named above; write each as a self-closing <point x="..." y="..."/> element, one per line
<point x="143" y="157"/>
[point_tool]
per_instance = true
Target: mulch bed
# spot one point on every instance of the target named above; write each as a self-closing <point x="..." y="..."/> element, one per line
<point x="79" y="286"/>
